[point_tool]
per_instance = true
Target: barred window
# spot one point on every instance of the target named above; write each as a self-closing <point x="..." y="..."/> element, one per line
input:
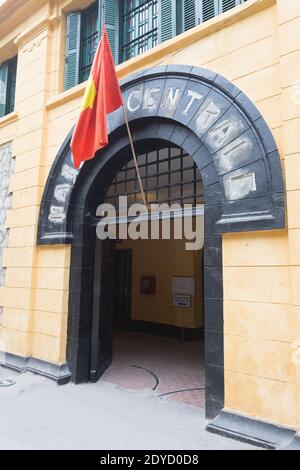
<point x="168" y="174"/>
<point x="83" y="31"/>
<point x="89" y="40"/>
<point x="140" y="27"/>
<point x="133" y="27"/>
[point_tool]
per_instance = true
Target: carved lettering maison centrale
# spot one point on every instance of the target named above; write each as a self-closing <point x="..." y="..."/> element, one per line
<point x="58" y="214"/>
<point x="221" y="135"/>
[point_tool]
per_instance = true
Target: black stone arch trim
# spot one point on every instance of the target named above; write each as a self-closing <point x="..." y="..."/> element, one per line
<point x="207" y="116"/>
<point x="240" y="150"/>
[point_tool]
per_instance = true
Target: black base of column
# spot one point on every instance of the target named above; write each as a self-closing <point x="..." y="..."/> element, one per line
<point x="295" y="445"/>
<point x="253" y="431"/>
<point x="59" y="373"/>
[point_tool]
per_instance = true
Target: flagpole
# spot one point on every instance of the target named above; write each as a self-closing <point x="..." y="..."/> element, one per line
<point x="134" y="156"/>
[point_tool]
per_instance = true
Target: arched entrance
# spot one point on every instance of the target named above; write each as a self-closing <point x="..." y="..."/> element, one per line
<point x="148" y="280"/>
<point x="213" y="122"/>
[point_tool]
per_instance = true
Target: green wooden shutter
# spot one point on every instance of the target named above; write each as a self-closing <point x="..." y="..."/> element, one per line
<point x="167" y="20"/>
<point x="109" y="16"/>
<point x="226" y="5"/>
<point x="3" y="88"/>
<point x="189" y="14"/>
<point x="211" y="8"/>
<point x="208" y="9"/>
<point x="72" y="49"/>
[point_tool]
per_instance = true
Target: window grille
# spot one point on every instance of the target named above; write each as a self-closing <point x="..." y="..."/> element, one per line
<point x="168" y="175"/>
<point x="140" y="27"/>
<point x="89" y="40"/>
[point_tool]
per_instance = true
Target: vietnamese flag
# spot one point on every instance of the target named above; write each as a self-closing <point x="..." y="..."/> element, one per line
<point x="102" y="96"/>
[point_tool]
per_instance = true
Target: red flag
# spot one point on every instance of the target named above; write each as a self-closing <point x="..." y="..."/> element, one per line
<point x="102" y="96"/>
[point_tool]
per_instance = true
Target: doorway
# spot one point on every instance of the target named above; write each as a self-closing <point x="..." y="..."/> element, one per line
<point x="154" y="330"/>
<point x="70" y="198"/>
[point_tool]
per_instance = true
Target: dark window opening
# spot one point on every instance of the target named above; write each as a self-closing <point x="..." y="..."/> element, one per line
<point x="89" y="41"/>
<point x="8" y="75"/>
<point x="168" y="175"/>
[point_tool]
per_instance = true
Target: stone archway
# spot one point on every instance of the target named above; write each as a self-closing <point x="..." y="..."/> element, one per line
<point x="224" y="133"/>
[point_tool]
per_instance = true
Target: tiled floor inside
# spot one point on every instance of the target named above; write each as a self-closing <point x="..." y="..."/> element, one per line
<point x="162" y="365"/>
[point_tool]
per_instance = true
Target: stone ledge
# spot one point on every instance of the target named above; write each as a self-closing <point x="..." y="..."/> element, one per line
<point x="295" y="445"/>
<point x="66" y="96"/>
<point x="59" y="373"/>
<point x="46" y="23"/>
<point x="252" y="431"/>
<point x="8" y="119"/>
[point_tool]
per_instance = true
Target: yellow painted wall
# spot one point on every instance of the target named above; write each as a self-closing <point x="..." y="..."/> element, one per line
<point x="165" y="259"/>
<point x="256" y="46"/>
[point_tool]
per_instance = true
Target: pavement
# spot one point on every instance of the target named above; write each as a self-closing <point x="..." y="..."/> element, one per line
<point x="38" y="414"/>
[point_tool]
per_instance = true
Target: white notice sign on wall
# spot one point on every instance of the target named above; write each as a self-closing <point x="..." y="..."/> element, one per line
<point x="182" y="301"/>
<point x="183" y="285"/>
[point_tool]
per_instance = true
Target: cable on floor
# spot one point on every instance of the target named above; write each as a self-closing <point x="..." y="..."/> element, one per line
<point x="150" y="372"/>
<point x="183" y="390"/>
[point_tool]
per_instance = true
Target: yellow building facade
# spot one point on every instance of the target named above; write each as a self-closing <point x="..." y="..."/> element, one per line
<point x="256" y="47"/>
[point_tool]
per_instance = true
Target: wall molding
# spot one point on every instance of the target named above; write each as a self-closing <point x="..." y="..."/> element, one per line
<point x="49" y="23"/>
<point x="161" y="329"/>
<point x="8" y="119"/>
<point x="295" y="445"/>
<point x="253" y="431"/>
<point x="57" y="372"/>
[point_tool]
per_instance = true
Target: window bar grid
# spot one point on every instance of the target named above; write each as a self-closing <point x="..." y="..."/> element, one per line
<point x="140" y="20"/>
<point x="187" y="184"/>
